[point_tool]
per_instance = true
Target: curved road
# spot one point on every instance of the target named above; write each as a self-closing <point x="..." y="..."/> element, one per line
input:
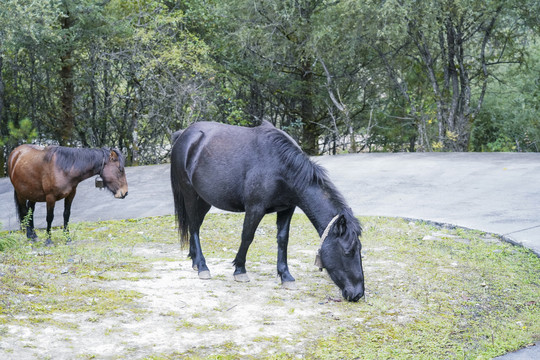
<point x="493" y="192"/>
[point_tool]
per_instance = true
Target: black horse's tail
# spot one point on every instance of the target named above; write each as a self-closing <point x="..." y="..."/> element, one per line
<point x="17" y="207"/>
<point x="179" y="205"/>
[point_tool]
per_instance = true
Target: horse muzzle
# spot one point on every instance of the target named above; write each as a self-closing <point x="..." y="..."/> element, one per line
<point x="120" y="194"/>
<point x="353" y="295"/>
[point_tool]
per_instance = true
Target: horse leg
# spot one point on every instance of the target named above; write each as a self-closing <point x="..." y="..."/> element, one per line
<point x="199" y="209"/>
<point x="23" y="206"/>
<point x="251" y="221"/>
<point x="283" y="225"/>
<point x="30" y="232"/>
<point x="50" y="217"/>
<point x="199" y="262"/>
<point x="67" y="212"/>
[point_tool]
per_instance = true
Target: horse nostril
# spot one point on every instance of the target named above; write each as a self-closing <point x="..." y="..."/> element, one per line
<point x="123" y="196"/>
<point x="352" y="296"/>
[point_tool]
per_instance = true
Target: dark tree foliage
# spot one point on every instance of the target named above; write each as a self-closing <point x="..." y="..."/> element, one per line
<point x="345" y="75"/>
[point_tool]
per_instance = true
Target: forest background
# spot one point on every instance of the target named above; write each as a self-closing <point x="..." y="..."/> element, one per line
<point x="337" y="75"/>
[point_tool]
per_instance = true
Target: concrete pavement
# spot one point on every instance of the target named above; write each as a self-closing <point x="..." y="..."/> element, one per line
<point x="493" y="192"/>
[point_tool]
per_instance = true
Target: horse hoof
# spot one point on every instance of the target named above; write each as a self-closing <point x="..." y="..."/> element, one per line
<point x="205" y="275"/>
<point x="49" y="243"/>
<point x="289" y="285"/>
<point x="241" y="278"/>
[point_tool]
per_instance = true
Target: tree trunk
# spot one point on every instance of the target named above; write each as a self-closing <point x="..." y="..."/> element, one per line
<point x="67" y="118"/>
<point x="310" y="131"/>
<point x="453" y="96"/>
<point x="2" y="122"/>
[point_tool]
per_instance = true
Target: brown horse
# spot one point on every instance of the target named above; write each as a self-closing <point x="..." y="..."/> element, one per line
<point x="48" y="174"/>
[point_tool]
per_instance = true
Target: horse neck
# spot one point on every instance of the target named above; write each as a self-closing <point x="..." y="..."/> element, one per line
<point x="97" y="159"/>
<point x="315" y="202"/>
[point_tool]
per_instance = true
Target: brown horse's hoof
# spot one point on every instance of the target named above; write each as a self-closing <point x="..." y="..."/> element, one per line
<point x="205" y="275"/>
<point x="241" y="278"/>
<point x="32" y="236"/>
<point x="289" y="285"/>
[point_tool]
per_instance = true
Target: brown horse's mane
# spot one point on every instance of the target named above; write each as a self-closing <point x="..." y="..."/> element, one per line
<point x="80" y="159"/>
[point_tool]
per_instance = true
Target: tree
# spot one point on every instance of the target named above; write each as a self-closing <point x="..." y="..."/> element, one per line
<point x="290" y="59"/>
<point x="394" y="75"/>
<point x="273" y="56"/>
<point x="509" y="120"/>
<point x="102" y="73"/>
<point x="167" y="68"/>
<point x="456" y="43"/>
<point x="25" y="30"/>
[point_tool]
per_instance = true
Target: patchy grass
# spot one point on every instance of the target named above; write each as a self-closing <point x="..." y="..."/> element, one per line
<point x="448" y="295"/>
<point x="430" y="293"/>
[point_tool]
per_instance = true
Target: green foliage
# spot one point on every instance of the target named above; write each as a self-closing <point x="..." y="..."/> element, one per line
<point x="129" y="73"/>
<point x="9" y="241"/>
<point x="24" y="133"/>
<point x="510" y="120"/>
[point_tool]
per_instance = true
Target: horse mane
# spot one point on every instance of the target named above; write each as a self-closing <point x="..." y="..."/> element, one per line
<point x="305" y="172"/>
<point x="81" y="159"/>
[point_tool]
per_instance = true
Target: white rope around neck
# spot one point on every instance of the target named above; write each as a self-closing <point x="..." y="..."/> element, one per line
<point x="318" y="261"/>
<point x="327" y="230"/>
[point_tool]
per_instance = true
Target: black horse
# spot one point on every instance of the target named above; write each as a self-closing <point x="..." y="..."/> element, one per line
<point x="258" y="171"/>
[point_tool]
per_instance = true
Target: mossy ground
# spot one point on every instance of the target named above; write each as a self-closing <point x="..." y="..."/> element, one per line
<point x="430" y="293"/>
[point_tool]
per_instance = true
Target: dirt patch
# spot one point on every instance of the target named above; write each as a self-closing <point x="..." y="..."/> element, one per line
<point x="176" y="313"/>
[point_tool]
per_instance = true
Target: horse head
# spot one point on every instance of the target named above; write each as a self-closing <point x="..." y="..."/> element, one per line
<point x="113" y="173"/>
<point x="340" y="254"/>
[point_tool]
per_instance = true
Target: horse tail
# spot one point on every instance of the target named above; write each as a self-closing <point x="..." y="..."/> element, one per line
<point x="13" y="156"/>
<point x="179" y="205"/>
<point x="17" y="206"/>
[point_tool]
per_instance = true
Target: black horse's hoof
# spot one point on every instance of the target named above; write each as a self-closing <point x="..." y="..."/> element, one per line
<point x="243" y="278"/>
<point x="49" y="242"/>
<point x="205" y="275"/>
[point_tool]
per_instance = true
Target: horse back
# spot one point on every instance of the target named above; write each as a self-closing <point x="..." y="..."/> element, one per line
<point x="230" y="167"/>
<point x="23" y="160"/>
<point x="32" y="176"/>
<point x="214" y="150"/>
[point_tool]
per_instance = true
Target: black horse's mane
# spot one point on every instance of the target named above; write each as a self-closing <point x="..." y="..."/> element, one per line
<point x="80" y="159"/>
<point x="306" y="172"/>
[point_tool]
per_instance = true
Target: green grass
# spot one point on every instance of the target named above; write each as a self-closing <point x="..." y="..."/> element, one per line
<point x="430" y="293"/>
<point x="459" y="297"/>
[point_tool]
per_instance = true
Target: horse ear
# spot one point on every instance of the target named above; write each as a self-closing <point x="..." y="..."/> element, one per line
<point x="341" y="226"/>
<point x="113" y="156"/>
